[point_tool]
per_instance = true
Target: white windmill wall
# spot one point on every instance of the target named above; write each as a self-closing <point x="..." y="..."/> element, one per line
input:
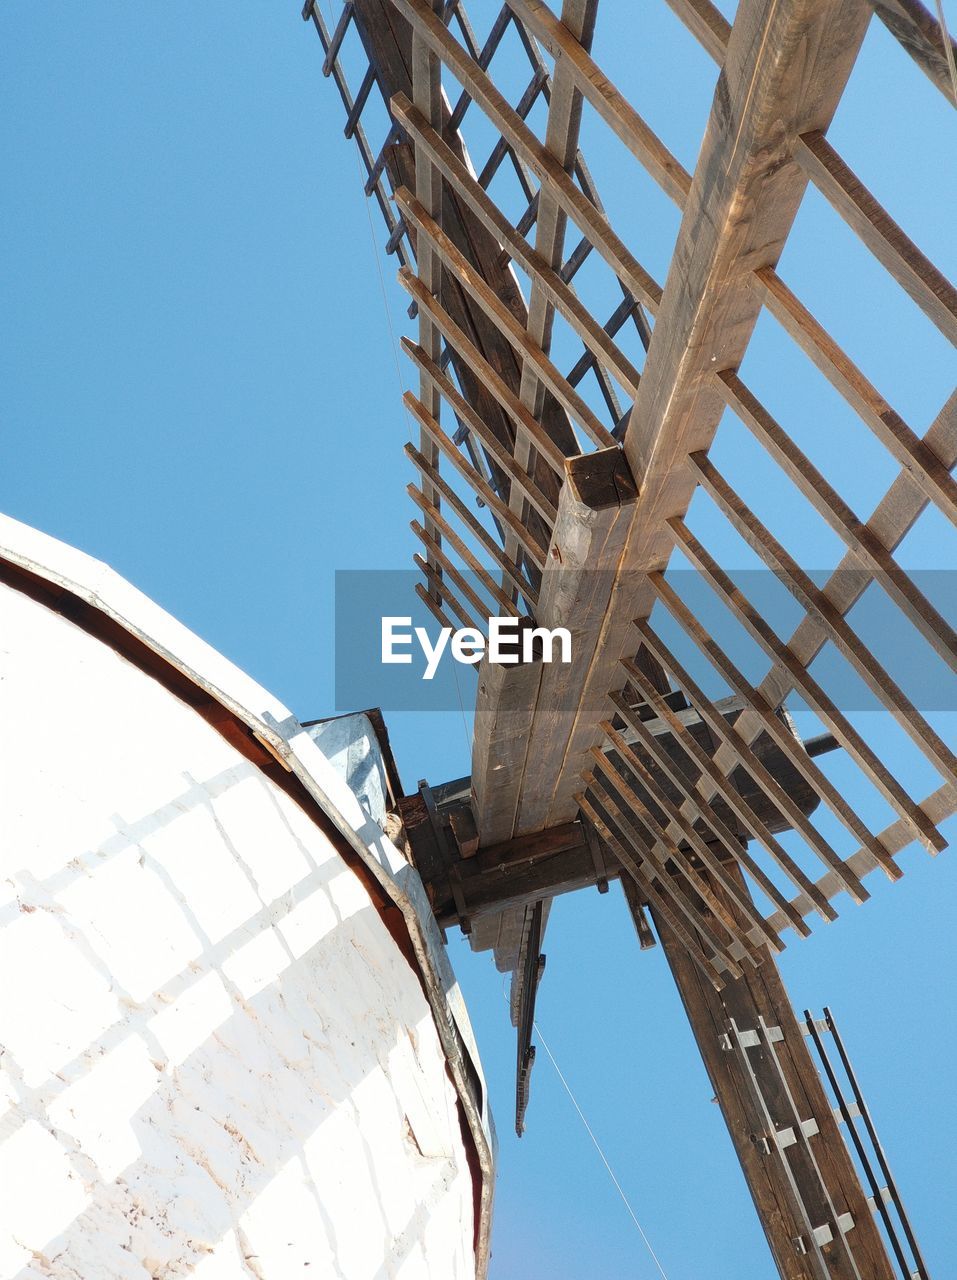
<point x="216" y="1060"/>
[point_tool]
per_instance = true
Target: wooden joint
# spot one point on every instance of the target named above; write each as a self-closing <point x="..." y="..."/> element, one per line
<point x="601" y="479"/>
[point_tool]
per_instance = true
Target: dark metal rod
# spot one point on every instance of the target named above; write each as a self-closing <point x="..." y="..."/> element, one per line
<point x="878" y="1149"/>
<point x="859" y="1147"/>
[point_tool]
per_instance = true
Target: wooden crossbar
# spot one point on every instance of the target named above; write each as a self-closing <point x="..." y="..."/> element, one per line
<point x="801" y="586"/>
<point x="502" y="318"/>
<point x="700" y="810"/>
<point x="812" y="693"/>
<point x="721" y="785"/>
<point x="544" y="165"/>
<point x="895" y="250"/>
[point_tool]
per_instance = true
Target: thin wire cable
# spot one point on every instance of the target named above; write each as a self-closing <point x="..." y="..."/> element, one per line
<point x="597" y="1145"/>
<point x="465" y="723"/>
<point x="948" y="47"/>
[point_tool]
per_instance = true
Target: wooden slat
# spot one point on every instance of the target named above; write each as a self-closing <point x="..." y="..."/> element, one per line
<point x="490" y="585"/>
<point x="706" y="23"/>
<point x="456" y="339"/>
<point x="603" y="824"/>
<point x="475" y="424"/>
<point x="782" y="736"/>
<point x="920" y="34"/>
<point x="664" y="850"/>
<point x="892" y="519"/>
<point x="535" y="552"/>
<point x="486" y="542"/>
<point x="440" y="558"/>
<point x="938" y="806"/>
<point x="927" y="470"/>
<point x="801" y="586"/>
<point x="427" y="96"/>
<point x="681" y="829"/>
<point x="548" y="171"/>
<point x="650" y="862"/>
<point x="600" y="93"/>
<point x="813" y="695"/>
<point x="594" y="336"/>
<point x="895" y="251"/>
<point x="502" y="318"/>
<point x="825" y="499"/>
<point x="746" y="758"/>
<point x="440" y="591"/>
<point x="338" y="35"/>
<point x="701" y="810"/>
<point x="433" y="607"/>
<point x="722" y="785"/>
<point x="890" y="522"/>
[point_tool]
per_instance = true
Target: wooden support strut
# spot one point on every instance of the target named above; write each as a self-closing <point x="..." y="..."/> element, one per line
<point x="799" y="1172"/>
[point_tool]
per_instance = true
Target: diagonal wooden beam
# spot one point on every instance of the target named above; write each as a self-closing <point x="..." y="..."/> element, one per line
<point x="786" y="66"/>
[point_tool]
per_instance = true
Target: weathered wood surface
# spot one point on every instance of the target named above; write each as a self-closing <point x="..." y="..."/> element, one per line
<point x="810" y="1183"/>
<point x="593" y="517"/>
<point x="388" y="41"/>
<point x="919" y="32"/>
<point x="743" y="198"/>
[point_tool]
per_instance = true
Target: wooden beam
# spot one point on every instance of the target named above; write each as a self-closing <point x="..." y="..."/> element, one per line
<point x="919" y="33"/>
<point x="594" y="512"/>
<point x="893" y="249"/>
<point x="787" y="62"/>
<point x="595" y="87"/>
<point x="766" y="1087"/>
<point x="504" y="709"/>
<point x="706" y="23"/>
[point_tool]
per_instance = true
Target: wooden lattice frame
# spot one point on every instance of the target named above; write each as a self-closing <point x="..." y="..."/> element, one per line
<point x="525" y="458"/>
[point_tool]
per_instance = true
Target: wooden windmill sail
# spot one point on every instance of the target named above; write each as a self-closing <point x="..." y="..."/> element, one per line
<point x="624" y="765"/>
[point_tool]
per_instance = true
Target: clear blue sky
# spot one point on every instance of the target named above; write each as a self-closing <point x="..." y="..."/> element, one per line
<point x="199" y="386"/>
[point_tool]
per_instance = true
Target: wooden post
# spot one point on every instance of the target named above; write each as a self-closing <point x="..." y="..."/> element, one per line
<point x="798" y="1169"/>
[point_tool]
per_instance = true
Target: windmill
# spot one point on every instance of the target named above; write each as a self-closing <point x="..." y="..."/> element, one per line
<point x="586" y="488"/>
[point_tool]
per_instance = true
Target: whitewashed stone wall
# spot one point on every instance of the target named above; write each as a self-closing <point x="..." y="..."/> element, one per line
<point x="215" y="1060"/>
